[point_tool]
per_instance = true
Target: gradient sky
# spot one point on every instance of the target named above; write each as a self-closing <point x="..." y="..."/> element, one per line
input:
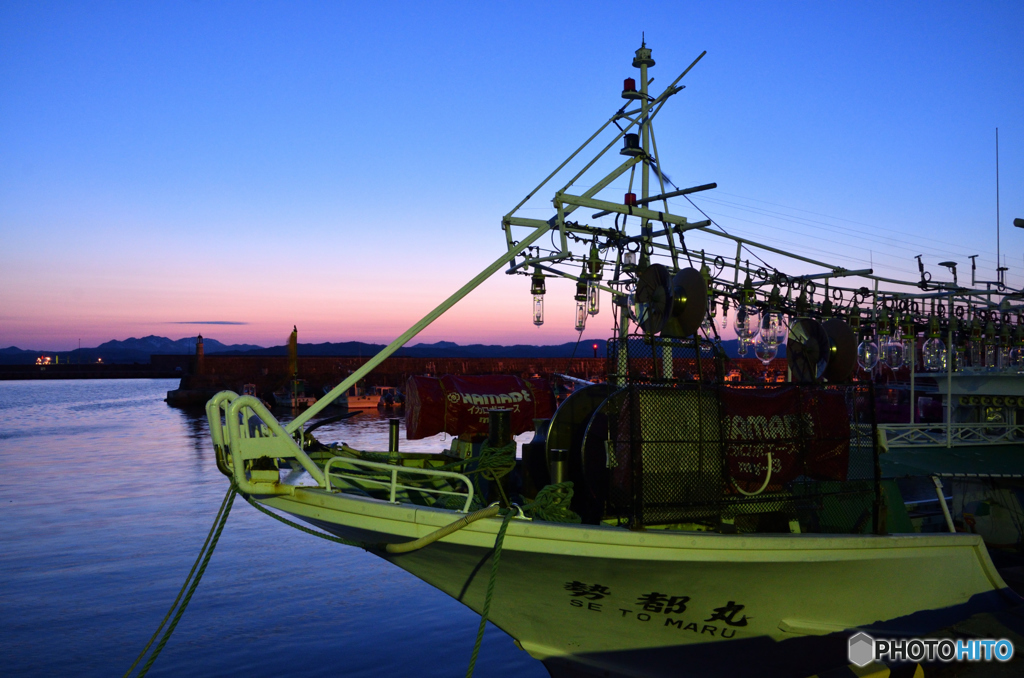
<point x="344" y="166"/>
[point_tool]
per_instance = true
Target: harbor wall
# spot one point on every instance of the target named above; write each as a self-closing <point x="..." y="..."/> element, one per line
<point x="269" y="373"/>
<point x="87" y="371"/>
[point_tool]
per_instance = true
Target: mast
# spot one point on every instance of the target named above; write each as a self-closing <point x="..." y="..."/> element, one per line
<point x="643" y="61"/>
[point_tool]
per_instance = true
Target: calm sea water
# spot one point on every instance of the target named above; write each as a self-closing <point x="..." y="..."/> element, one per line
<point x="107" y="495"/>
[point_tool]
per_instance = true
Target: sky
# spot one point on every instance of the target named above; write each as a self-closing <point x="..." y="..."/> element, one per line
<point x="234" y="169"/>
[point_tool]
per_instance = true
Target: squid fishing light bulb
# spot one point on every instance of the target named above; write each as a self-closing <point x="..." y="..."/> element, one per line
<point x="890" y="350"/>
<point x="990" y="346"/>
<point x="747" y="319"/>
<point x="765" y="350"/>
<point x="537" y="288"/>
<point x="593" y="298"/>
<point x="1005" y="346"/>
<point x="867" y="354"/>
<point x="594" y="270"/>
<point x="581" y="316"/>
<point x="582" y="287"/>
<point x="867" y="349"/>
<point x="909" y="338"/>
<point x="976" y="345"/>
<point x="933" y="353"/>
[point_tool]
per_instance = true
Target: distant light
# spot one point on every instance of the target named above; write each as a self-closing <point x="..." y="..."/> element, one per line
<point x="1019" y="223"/>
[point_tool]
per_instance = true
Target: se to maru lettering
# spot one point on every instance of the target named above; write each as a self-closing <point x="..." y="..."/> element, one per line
<point x="583" y="595"/>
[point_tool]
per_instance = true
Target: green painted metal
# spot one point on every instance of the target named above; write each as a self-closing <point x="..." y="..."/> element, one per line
<point x="424" y="322"/>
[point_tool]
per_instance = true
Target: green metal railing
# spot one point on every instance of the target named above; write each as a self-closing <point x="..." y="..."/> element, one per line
<point x="393" y="485"/>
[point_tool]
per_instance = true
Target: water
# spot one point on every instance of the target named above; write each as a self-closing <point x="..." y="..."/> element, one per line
<point x="107" y="495"/>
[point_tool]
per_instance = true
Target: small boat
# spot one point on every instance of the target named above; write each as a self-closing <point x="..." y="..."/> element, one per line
<point x="294" y="395"/>
<point x="391" y="400"/>
<point x="675" y="517"/>
<point x="362" y="400"/>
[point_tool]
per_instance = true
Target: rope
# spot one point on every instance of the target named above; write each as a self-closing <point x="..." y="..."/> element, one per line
<point x="495" y="559"/>
<point x="495" y="462"/>
<point x="552" y="504"/>
<point x="211" y="543"/>
<point x="183" y="586"/>
<point x="302" y="528"/>
<point x="417" y="544"/>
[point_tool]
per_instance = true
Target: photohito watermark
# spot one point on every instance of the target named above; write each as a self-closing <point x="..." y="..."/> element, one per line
<point x="863" y="649"/>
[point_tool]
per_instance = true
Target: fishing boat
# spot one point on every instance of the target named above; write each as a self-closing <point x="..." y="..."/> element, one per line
<point x="391" y="400"/>
<point x="668" y="521"/>
<point x="294" y="395"/>
<point x="365" y="400"/>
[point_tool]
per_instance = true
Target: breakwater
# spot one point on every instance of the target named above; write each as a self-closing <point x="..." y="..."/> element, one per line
<point x="269" y="373"/>
<point x="87" y="371"/>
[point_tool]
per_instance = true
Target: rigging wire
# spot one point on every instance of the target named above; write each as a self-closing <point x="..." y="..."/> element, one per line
<point x="888" y="241"/>
<point x="753" y="254"/>
<point x="812" y="248"/>
<point x="819" y="214"/>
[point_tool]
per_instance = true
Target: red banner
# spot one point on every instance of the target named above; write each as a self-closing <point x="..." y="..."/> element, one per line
<point x="806" y="433"/>
<point x="459" y="406"/>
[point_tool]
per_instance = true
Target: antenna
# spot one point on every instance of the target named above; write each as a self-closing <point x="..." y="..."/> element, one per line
<point x="999" y="268"/>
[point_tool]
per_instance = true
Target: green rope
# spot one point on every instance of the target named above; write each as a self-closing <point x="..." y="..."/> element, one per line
<point x="495" y="462"/>
<point x="552" y="504"/>
<point x="184" y="586"/>
<point x="495" y="559"/>
<point x="302" y="528"/>
<point x="218" y="527"/>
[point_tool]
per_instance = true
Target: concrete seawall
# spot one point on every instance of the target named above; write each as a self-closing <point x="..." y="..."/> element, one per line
<point x="270" y="373"/>
<point x="86" y="371"/>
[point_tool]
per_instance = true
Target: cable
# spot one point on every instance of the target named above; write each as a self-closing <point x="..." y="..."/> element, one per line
<point x="885" y="240"/>
<point x="859" y="223"/>
<point x="754" y="254"/>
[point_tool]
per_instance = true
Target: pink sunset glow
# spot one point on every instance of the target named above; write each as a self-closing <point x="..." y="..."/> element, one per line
<point x="168" y="169"/>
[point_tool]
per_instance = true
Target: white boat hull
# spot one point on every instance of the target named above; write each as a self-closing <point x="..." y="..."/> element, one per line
<point x="608" y="601"/>
<point x="363" y="402"/>
<point x="294" y="401"/>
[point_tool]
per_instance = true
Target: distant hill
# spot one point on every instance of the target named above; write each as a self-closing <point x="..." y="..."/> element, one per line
<point x="448" y="349"/>
<point x="441" y="349"/>
<point x="131" y="350"/>
<point x="138" y="350"/>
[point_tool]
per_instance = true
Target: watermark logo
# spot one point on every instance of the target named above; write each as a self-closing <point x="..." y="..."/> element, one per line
<point x="863" y="649"/>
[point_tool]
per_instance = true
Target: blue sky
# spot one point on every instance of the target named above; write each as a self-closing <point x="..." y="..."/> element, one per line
<point x="344" y="166"/>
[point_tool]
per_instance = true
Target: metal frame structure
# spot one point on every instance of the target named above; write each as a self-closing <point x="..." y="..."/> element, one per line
<point x="635" y="232"/>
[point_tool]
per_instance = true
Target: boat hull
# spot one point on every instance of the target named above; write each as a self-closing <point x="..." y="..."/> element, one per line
<point x="363" y="402"/>
<point x="590" y="600"/>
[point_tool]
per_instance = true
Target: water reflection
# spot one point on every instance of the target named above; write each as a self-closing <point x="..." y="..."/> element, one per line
<point x="108" y="494"/>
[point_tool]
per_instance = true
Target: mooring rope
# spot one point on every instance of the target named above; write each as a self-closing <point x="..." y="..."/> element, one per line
<point x="302" y="528"/>
<point x="551" y="504"/>
<point x="202" y="560"/>
<point x="495" y="559"/>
